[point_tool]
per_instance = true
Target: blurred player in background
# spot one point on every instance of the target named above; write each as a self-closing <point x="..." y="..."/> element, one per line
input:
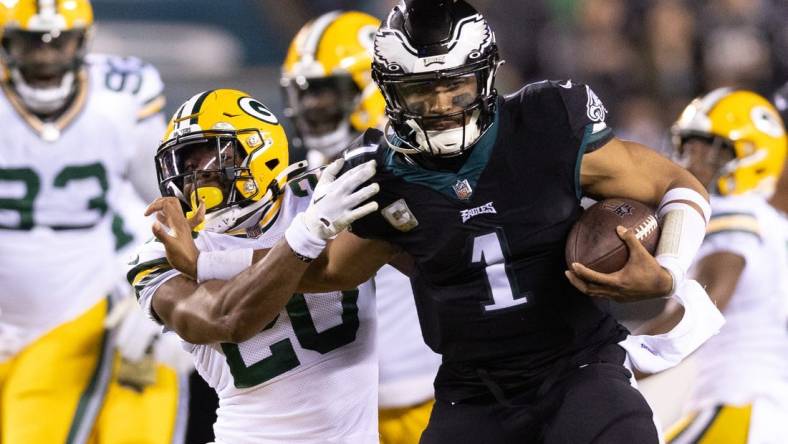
<point x="780" y="198"/>
<point x="76" y="128"/>
<point x="287" y="367"/>
<point x="734" y="142"/>
<point x="331" y="99"/>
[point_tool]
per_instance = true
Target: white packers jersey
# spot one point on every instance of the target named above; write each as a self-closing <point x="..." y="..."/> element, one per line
<point x="748" y="359"/>
<point x="310" y="376"/>
<point x="407" y="365"/>
<point x="61" y="194"/>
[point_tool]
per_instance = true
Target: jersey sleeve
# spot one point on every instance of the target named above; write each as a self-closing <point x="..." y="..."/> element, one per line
<point x="586" y="115"/>
<point x="149" y="130"/>
<point x="142" y="90"/>
<point x="733" y="232"/>
<point x="147" y="272"/>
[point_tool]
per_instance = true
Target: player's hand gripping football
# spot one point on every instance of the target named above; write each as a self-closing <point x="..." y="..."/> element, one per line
<point x="641" y="278"/>
<point x="335" y="202"/>
<point x="174" y="230"/>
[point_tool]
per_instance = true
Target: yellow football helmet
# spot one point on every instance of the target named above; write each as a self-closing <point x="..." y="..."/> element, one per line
<point x="43" y="46"/>
<point x="226" y="150"/>
<point x="748" y="128"/>
<point x="327" y="82"/>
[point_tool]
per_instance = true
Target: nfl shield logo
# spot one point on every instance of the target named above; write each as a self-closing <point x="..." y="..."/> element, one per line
<point x="462" y="189"/>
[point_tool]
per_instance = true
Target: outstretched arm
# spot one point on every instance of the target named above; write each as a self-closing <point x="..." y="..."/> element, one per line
<point x="234" y="310"/>
<point x="206" y="309"/>
<point x="347" y="262"/>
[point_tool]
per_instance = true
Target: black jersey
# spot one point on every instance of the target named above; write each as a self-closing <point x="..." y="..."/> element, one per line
<point x="488" y="240"/>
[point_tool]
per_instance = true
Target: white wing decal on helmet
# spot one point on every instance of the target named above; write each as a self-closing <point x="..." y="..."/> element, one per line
<point x="470" y="38"/>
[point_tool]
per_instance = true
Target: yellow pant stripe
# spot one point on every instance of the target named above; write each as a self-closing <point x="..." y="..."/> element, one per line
<point x="679" y="427"/>
<point x="404" y="425"/>
<point x="723" y="424"/>
<point x="731" y="426"/>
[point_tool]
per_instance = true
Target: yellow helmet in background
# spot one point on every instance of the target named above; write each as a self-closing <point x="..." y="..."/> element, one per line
<point x="225" y="149"/>
<point x="46" y="15"/>
<point x="327" y="81"/>
<point x="44" y="83"/>
<point x="746" y="124"/>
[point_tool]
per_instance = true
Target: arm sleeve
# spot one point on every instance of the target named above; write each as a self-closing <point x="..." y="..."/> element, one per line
<point x="147" y="272"/>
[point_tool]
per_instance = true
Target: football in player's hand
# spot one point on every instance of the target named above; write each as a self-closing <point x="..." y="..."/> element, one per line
<point x="594" y="242"/>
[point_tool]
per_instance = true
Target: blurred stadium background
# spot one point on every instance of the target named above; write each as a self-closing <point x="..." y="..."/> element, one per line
<point x="645" y="58"/>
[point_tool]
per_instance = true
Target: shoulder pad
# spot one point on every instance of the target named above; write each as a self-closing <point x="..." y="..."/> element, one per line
<point x="130" y="76"/>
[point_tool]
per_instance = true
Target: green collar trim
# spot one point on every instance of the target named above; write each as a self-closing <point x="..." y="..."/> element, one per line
<point x="444" y="181"/>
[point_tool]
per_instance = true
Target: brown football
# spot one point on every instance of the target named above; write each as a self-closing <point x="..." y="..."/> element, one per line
<point x="594" y="242"/>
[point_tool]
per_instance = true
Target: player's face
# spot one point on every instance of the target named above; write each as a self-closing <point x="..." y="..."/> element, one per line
<point x="320" y="111"/>
<point x="43" y="57"/>
<point x="705" y="157"/>
<point x="320" y="105"/>
<point x="444" y="97"/>
<point x="201" y="164"/>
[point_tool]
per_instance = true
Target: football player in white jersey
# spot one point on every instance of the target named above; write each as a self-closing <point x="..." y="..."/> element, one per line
<point x="287" y="367"/>
<point x="734" y="142"/>
<point x="331" y="99"/>
<point x="72" y="127"/>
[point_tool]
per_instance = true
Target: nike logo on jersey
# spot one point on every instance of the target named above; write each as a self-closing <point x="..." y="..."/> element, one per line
<point x="473" y="212"/>
<point x="567" y="85"/>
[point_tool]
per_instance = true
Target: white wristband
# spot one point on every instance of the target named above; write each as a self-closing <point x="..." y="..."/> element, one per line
<point x="674" y="195"/>
<point x="301" y="240"/>
<point x="682" y="231"/>
<point x="223" y="264"/>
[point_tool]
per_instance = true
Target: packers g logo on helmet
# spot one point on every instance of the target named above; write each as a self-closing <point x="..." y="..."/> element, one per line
<point x="327" y="82"/>
<point x="225" y="150"/>
<point x="746" y="123"/>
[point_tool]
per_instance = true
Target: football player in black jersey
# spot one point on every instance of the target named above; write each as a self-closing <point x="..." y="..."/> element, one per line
<point x="480" y="192"/>
<point x="477" y="195"/>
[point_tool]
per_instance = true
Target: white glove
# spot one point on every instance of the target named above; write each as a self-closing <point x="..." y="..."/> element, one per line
<point x="333" y="205"/>
<point x="333" y="208"/>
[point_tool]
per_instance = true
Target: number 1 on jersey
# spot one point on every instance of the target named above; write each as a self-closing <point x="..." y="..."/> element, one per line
<point x="487" y="250"/>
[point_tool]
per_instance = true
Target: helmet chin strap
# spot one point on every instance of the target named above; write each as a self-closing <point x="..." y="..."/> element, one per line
<point x="43" y="100"/>
<point x="331" y="144"/>
<point x="446" y="142"/>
